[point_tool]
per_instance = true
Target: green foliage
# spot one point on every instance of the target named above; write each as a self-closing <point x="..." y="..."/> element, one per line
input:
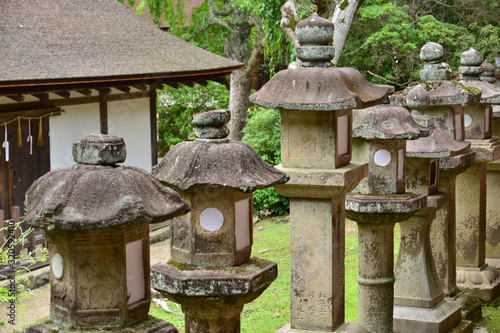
<point x="263" y="133"/>
<point x="16" y="278"/>
<point x="177" y="106"/>
<point x="386" y="36"/>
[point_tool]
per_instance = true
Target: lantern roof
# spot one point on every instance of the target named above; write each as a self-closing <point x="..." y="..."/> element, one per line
<point x="97" y="193"/>
<point x="322" y="89"/>
<point x="437" y="144"/>
<point x="214" y="160"/>
<point x="386" y="122"/>
<point x="441" y="93"/>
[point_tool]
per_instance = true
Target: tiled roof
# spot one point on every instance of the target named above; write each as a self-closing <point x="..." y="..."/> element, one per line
<point x="75" y="40"/>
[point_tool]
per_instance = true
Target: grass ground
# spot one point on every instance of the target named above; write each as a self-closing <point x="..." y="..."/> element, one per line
<point x="271" y="310"/>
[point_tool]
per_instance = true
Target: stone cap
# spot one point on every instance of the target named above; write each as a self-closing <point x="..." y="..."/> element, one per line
<point x="441" y="93"/>
<point x="431" y="52"/>
<point x="438" y="144"/>
<point x="314" y="35"/>
<point x="100" y="149"/>
<point x="433" y="70"/>
<point x="471" y="61"/>
<point x="95" y="197"/>
<point x="385" y="122"/>
<point x="320" y="89"/>
<point x="212" y="124"/>
<point x="210" y="161"/>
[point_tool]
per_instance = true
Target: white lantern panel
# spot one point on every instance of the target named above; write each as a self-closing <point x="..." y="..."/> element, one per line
<point x="467" y="120"/>
<point x="135" y="272"/>
<point x="242" y="227"/>
<point x="343" y="135"/>
<point x="382" y="157"/>
<point x="57" y="266"/>
<point x="211" y="219"/>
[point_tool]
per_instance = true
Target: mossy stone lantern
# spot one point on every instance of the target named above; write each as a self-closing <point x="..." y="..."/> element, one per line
<point x="378" y="202"/>
<point x="419" y="300"/>
<point x="95" y="216"/>
<point x="444" y="100"/>
<point x="216" y="177"/>
<point x="493" y="179"/>
<point x="473" y="272"/>
<point x="210" y="272"/>
<point x="316" y="103"/>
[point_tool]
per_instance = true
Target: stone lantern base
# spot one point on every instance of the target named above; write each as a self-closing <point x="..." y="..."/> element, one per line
<point x="441" y="318"/>
<point x="150" y="325"/>
<point x="212" y="299"/>
<point x="344" y="328"/>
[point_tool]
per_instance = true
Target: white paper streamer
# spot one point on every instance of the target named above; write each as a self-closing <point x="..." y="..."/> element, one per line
<point x="30" y="138"/>
<point x="5" y="144"/>
<point x="51" y="134"/>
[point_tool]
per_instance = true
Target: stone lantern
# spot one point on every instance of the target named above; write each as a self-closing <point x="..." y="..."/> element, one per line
<point x="316" y="103"/>
<point x="444" y="100"/>
<point x="491" y="92"/>
<point x="379" y="201"/>
<point x="216" y="177"/>
<point x="419" y="300"/>
<point x="95" y="216"/>
<point x="473" y="273"/>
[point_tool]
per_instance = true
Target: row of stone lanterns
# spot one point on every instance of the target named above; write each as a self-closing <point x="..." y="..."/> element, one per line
<point x="96" y="213"/>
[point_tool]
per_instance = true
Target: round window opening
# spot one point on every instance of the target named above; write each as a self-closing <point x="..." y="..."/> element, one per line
<point x="467" y="120"/>
<point x="382" y="157"/>
<point x="57" y="266"/>
<point x="211" y="219"/>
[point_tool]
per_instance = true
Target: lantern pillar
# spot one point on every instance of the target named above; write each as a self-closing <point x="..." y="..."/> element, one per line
<point x="316" y="103"/>
<point x="377" y="203"/>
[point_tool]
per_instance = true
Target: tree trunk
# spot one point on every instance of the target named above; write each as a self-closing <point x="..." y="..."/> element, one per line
<point x="238" y="103"/>
<point x="237" y="47"/>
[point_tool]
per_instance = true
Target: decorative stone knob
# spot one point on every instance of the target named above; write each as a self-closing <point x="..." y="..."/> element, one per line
<point x="431" y="52"/>
<point x="471" y="61"/>
<point x="212" y="124"/>
<point x="471" y="58"/>
<point x="100" y="149"/>
<point x="418" y="98"/>
<point x="433" y="70"/>
<point x="315" y="35"/>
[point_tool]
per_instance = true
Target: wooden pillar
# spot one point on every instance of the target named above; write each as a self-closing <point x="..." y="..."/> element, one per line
<point x="103" y="110"/>
<point x="153" y="123"/>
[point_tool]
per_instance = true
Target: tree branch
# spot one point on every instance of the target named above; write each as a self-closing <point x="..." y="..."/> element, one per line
<point x="228" y="9"/>
<point x="289" y="19"/>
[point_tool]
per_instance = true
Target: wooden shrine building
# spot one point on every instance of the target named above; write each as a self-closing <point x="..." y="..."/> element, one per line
<point x="69" y="68"/>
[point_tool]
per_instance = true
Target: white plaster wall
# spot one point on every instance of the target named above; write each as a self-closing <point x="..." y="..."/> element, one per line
<point x="128" y="119"/>
<point x="76" y="122"/>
